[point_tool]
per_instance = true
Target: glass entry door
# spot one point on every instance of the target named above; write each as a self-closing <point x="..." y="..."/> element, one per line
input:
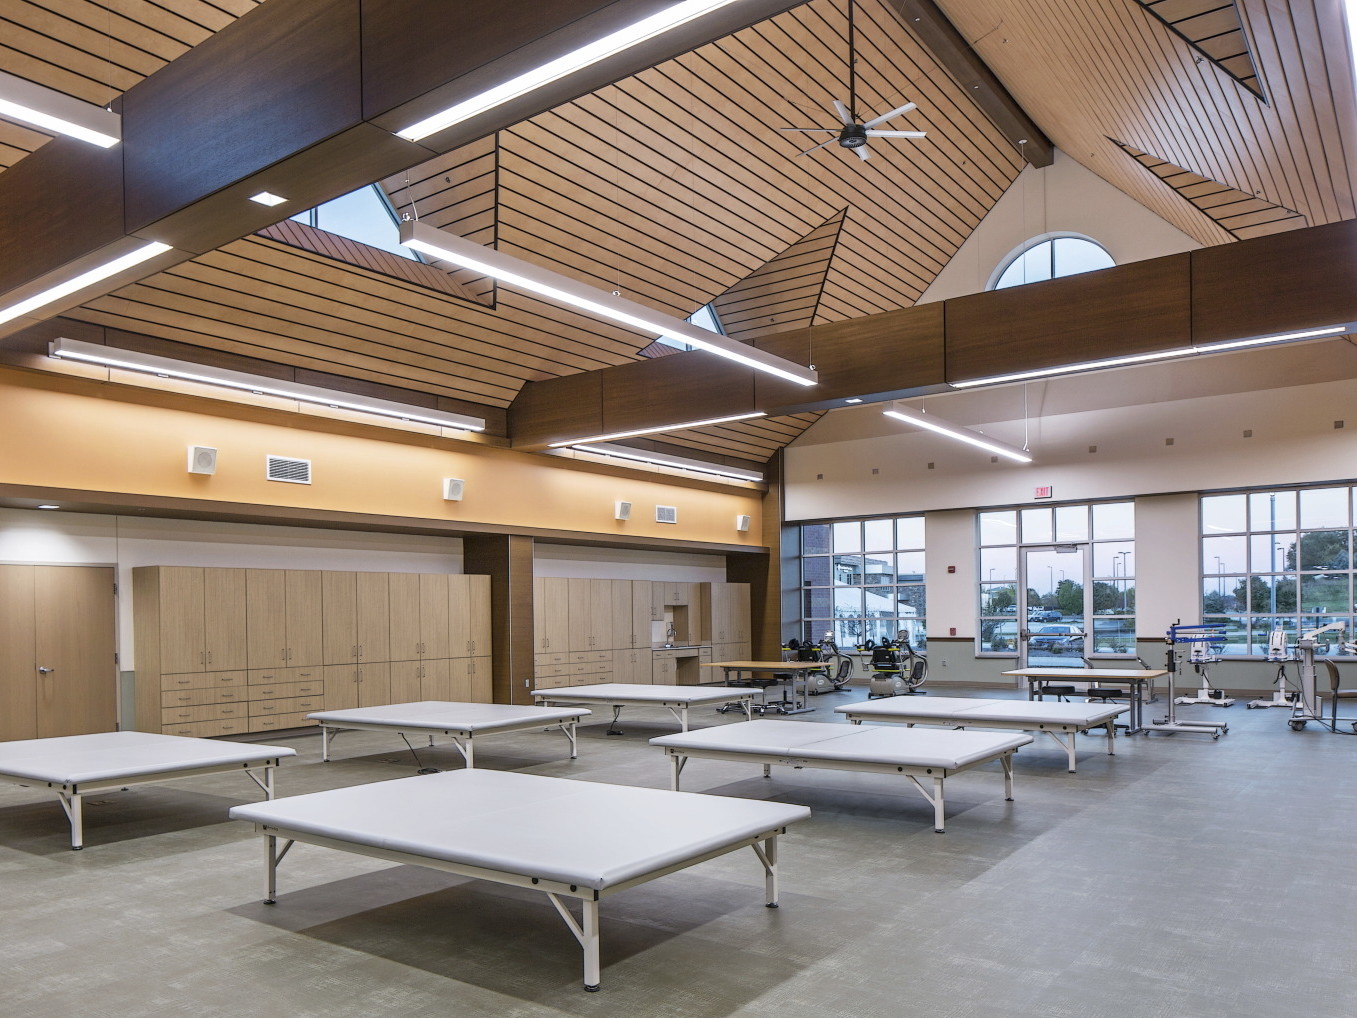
<point x="1053" y="588"/>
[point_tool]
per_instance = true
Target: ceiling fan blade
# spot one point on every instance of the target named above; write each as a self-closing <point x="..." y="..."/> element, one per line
<point x="811" y="130"/>
<point x="897" y="134"/>
<point x="862" y="152"/>
<point x="893" y="113"/>
<point x="814" y="148"/>
<point x="843" y="113"/>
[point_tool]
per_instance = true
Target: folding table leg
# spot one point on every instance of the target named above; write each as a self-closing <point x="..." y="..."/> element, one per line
<point x="590" y="942"/>
<point x="1007" y="761"/>
<point x="325" y="743"/>
<point x="271" y="852"/>
<point x="569" y="729"/>
<point x="1111" y="738"/>
<point x="767" y="854"/>
<point x="676" y="762"/>
<point x="75" y="814"/>
<point x="938" y="824"/>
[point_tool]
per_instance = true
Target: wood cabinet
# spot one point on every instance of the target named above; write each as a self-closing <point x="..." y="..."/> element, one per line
<point x="551" y="614"/>
<point x="305" y="640"/>
<point x="726" y="615"/>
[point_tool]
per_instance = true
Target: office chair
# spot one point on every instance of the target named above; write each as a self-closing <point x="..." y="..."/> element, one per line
<point x="1336" y="694"/>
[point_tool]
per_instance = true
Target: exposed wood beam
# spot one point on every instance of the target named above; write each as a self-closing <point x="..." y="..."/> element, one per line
<point x="931" y="25"/>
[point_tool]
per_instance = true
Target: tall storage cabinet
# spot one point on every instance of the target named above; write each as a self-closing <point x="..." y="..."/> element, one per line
<point x="226" y="651"/>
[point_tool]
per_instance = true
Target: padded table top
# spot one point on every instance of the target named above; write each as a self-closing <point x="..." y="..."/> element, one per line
<point x="970" y="710"/>
<point x="1088" y="674"/>
<point x="640" y="692"/>
<point x="577" y="832"/>
<point x="445" y="715"/>
<point x="824" y="740"/>
<point x="73" y="759"/>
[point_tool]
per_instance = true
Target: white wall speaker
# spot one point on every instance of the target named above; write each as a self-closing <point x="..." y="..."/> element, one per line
<point x="453" y="489"/>
<point x="742" y="523"/>
<point x="202" y="459"/>
<point x="621" y="510"/>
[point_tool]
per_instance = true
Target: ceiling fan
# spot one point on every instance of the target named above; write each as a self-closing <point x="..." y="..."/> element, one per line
<point x="853" y="134"/>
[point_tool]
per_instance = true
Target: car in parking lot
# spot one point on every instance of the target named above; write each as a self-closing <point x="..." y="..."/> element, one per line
<point x="1056" y="639"/>
<point x="1043" y="615"/>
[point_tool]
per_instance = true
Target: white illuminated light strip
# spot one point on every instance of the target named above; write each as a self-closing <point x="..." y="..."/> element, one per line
<point x="1161" y="355"/>
<point x="554" y="70"/>
<point x="678" y="462"/>
<point x="933" y="423"/>
<point x="656" y="431"/>
<point x="49" y="110"/>
<point x="54" y="293"/>
<point x="129" y="360"/>
<point x="562" y="290"/>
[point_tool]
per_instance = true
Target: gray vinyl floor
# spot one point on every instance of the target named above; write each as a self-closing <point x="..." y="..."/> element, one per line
<point x="1181" y="877"/>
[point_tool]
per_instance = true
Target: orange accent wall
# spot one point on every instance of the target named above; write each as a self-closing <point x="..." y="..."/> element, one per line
<point x="65" y="432"/>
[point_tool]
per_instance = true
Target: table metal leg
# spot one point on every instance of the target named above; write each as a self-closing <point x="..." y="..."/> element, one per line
<point x="1007" y="761"/>
<point x="1111" y="738"/>
<point x="939" y="823"/>
<point x="271" y="850"/>
<point x="676" y="762"/>
<point x="767" y="853"/>
<point x="590" y="943"/>
<point x="569" y="729"/>
<point x="324" y="744"/>
<point x="75" y="814"/>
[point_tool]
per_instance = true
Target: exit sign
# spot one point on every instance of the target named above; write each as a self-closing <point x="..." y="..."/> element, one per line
<point x="1043" y="492"/>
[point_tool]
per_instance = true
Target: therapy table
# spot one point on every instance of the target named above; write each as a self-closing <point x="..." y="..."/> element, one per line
<point x="568" y="839"/>
<point x="1135" y="679"/>
<point x="798" y="670"/>
<point x="677" y="699"/>
<point x="461" y="722"/>
<point x="1054" y="719"/>
<point x="918" y="754"/>
<point x="76" y="765"/>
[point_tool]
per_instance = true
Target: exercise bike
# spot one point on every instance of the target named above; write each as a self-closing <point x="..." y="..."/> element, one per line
<point x="897" y="669"/>
<point x="838" y="668"/>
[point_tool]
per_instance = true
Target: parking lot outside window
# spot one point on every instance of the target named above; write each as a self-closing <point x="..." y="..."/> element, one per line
<point x="864" y="579"/>
<point x="1278" y="559"/>
<point x="1055" y="608"/>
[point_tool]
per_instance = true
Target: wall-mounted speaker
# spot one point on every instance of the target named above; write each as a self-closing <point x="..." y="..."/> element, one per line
<point x="742" y="523"/>
<point x="621" y="510"/>
<point x="202" y="459"/>
<point x="453" y="489"/>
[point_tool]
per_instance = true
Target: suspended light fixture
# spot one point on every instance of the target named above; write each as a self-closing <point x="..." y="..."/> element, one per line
<point x="664" y="460"/>
<point x="940" y="426"/>
<point x="75" y="284"/>
<point x="663" y="427"/>
<point x="57" y="113"/>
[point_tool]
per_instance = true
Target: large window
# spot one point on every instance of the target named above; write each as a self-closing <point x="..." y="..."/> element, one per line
<point x="1064" y="574"/>
<point x="1049" y="258"/>
<point x="864" y="580"/>
<point x="1277" y="560"/>
<point x="364" y="215"/>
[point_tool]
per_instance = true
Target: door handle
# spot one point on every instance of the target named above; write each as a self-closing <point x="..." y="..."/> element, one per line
<point x="45" y="671"/>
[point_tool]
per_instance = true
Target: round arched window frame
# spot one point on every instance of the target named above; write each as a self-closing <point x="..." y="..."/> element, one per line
<point x="1096" y="257"/>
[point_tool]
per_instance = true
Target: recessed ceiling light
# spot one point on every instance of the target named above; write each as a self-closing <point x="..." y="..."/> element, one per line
<point x="853" y="399"/>
<point x="267" y="198"/>
<point x="49" y="507"/>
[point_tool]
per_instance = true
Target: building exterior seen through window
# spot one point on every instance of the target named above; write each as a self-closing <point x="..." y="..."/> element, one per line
<point x="1057" y="583"/>
<point x="864" y="580"/>
<point x="704" y="318"/>
<point x="1049" y="257"/>
<point x="1278" y="560"/>
<point x="364" y="215"/>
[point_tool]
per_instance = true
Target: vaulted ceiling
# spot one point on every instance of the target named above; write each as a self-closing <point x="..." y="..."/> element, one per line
<point x="676" y="187"/>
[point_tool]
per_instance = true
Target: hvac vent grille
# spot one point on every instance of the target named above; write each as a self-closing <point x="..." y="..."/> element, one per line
<point x="293" y="471"/>
<point x="666" y="514"/>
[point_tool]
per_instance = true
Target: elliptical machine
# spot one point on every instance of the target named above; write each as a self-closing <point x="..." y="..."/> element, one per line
<point x="897" y="669"/>
<point x="838" y="671"/>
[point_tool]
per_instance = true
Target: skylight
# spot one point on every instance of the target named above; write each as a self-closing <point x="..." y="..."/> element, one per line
<point x="364" y="215"/>
<point x="704" y="318"/>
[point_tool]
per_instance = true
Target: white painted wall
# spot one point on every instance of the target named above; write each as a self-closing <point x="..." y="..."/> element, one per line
<point x="1064" y="197"/>
<point x="624" y="564"/>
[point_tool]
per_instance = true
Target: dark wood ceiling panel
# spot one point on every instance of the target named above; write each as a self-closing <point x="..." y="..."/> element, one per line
<point x="754" y="440"/>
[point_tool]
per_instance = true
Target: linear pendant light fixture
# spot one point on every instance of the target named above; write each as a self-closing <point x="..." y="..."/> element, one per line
<point x="934" y="423"/>
<point x="88" y="278"/>
<point x="661" y="459"/>
<point x="57" y="113"/>
<point x="663" y="427"/>
<point x="130" y="360"/>
<point x="1160" y="355"/>
<point x="562" y="290"/>
<point x="553" y="70"/>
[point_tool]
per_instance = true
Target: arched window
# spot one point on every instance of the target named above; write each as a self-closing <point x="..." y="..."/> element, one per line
<point x="1047" y="257"/>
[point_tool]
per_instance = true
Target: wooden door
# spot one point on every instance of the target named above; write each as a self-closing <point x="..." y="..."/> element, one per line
<point x="740" y="612"/>
<point x="403" y="590"/>
<point x="551" y="611"/>
<point x="265" y="618"/>
<point x="18" y="655"/>
<point x="459" y="680"/>
<point x="580" y="613"/>
<point x="339" y="617"/>
<point x="718" y="613"/>
<point x="404" y="678"/>
<point x="619" y="615"/>
<point x="641" y="614"/>
<point x="600" y="614"/>
<point x="478" y="614"/>
<point x="374" y="617"/>
<point x="182" y="646"/>
<point x="374" y="684"/>
<point x="341" y="687"/>
<point x="482" y="685"/>
<point x="435" y="632"/>
<point x="223" y="619"/>
<point x="664" y="670"/>
<point x="73" y="611"/>
<point x="303" y="613"/>
<point x="435" y="679"/>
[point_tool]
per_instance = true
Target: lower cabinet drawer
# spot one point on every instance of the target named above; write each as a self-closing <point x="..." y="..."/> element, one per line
<point x="207" y="729"/>
<point x="277" y="722"/>
<point x="552" y="659"/>
<point x="591" y="656"/>
<point x="192" y="697"/>
<point x="552" y="681"/>
<point x="278" y="690"/>
<point x="206" y="712"/>
<point x="548" y="671"/>
<point x="288" y="705"/>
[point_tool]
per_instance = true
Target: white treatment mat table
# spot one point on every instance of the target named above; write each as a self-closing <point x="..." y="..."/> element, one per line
<point x="76" y="765"/>
<point x="568" y="839"/>
<point x="677" y="699"/>
<point x="461" y="722"/>
<point x="1055" y="719"/>
<point x="919" y="754"/>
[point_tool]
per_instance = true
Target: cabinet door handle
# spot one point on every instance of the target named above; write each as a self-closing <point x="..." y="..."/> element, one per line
<point x="209" y="657"/>
<point x="201" y="658"/>
<point x="45" y="671"/>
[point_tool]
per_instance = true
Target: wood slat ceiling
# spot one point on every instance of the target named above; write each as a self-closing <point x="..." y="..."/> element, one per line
<point x="97" y="49"/>
<point x="1092" y="70"/>
<point x="1214" y="30"/>
<point x="1242" y="214"/>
